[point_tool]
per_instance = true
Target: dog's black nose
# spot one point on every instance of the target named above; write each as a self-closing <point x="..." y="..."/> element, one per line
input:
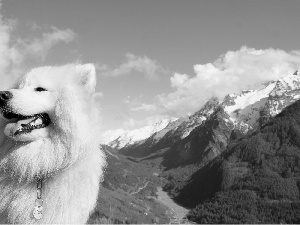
<point x="5" y="95"/>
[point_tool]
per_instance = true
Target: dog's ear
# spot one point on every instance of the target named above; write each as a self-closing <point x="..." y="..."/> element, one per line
<point x="87" y="73"/>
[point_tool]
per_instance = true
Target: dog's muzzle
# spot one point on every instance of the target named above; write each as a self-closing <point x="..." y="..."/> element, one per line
<point x="22" y="124"/>
<point x="5" y="96"/>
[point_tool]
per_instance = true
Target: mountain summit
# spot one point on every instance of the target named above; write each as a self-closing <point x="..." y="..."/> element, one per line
<point x="255" y="180"/>
<point x="239" y="112"/>
<point x="130" y="137"/>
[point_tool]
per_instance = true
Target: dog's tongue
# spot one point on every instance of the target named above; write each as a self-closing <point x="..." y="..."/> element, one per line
<point x="25" y="126"/>
<point x="25" y="122"/>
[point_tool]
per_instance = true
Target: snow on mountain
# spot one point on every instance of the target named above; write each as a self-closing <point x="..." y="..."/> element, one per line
<point x="236" y="115"/>
<point x="171" y="126"/>
<point x="174" y="132"/>
<point x="183" y="126"/>
<point x="111" y="135"/>
<point x="244" y="111"/>
<point x="133" y="136"/>
<point x="286" y="91"/>
<point x="197" y="118"/>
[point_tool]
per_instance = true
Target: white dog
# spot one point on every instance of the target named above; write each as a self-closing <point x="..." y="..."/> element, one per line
<point x="50" y="162"/>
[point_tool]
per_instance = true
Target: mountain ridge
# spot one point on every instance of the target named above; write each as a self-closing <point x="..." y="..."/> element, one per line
<point x="137" y="135"/>
<point x="256" y="179"/>
<point x="220" y="158"/>
<point x="242" y="112"/>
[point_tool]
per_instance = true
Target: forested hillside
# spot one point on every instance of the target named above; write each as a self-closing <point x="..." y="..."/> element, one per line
<point x="233" y="161"/>
<point x="255" y="180"/>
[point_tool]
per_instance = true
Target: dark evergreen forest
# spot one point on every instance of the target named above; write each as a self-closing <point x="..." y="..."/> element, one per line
<point x="255" y="180"/>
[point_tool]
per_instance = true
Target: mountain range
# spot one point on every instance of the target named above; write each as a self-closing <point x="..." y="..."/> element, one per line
<point x="229" y="154"/>
<point x="128" y="138"/>
<point x="236" y="112"/>
<point x="256" y="179"/>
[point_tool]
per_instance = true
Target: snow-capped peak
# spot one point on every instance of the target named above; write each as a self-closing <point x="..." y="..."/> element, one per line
<point x="245" y="99"/>
<point x="132" y="136"/>
<point x="244" y="111"/>
<point x="291" y="82"/>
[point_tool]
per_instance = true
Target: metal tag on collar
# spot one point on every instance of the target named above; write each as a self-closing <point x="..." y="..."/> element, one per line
<point x="38" y="209"/>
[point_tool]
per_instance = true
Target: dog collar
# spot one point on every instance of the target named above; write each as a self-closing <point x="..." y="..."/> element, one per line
<point x="38" y="208"/>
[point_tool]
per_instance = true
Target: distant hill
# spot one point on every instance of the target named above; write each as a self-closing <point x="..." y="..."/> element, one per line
<point x="255" y="180"/>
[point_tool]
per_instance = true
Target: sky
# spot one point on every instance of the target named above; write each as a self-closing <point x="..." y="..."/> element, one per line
<point x="155" y="59"/>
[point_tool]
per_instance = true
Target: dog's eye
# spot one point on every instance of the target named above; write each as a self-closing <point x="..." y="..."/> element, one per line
<point x="40" y="89"/>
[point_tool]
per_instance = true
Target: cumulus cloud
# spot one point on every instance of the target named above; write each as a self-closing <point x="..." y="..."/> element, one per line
<point x="39" y="47"/>
<point x="129" y="125"/>
<point x="14" y="51"/>
<point x="133" y="101"/>
<point x="136" y="104"/>
<point x="142" y="64"/>
<point x="98" y="95"/>
<point x="126" y="100"/>
<point x="9" y="55"/>
<point x="145" y="107"/>
<point x="230" y="73"/>
<point x="111" y="135"/>
<point x="178" y="79"/>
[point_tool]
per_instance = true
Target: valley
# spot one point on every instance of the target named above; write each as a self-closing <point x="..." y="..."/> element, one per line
<point x="132" y="193"/>
<point x="229" y="162"/>
<point x="178" y="213"/>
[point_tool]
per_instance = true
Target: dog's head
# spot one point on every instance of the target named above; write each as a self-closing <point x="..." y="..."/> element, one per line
<point x="49" y="121"/>
<point x="31" y="109"/>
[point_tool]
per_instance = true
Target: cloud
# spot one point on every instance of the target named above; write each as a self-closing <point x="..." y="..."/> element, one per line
<point x="136" y="104"/>
<point x="98" y="95"/>
<point x="142" y="64"/>
<point x="178" y="80"/>
<point x="39" y="47"/>
<point x="133" y="102"/>
<point x="9" y="55"/>
<point x="111" y="135"/>
<point x="14" y="51"/>
<point x="129" y="125"/>
<point x="145" y="107"/>
<point x="127" y="99"/>
<point x="230" y="73"/>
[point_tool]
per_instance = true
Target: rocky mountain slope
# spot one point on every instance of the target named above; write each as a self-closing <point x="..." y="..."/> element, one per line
<point x="239" y="156"/>
<point x="215" y="122"/>
<point x="255" y="180"/>
<point x="131" y="137"/>
<point x="234" y="156"/>
<point x="172" y="133"/>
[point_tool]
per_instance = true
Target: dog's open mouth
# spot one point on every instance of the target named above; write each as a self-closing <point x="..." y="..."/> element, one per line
<point x="26" y="124"/>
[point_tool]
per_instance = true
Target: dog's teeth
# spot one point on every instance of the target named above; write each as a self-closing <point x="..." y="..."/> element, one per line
<point x="25" y="126"/>
<point x="38" y="121"/>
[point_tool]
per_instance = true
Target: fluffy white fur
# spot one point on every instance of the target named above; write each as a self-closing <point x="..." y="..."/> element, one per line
<point x="65" y="154"/>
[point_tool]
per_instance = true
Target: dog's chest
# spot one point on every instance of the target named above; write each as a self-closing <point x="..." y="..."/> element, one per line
<point x="16" y="202"/>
